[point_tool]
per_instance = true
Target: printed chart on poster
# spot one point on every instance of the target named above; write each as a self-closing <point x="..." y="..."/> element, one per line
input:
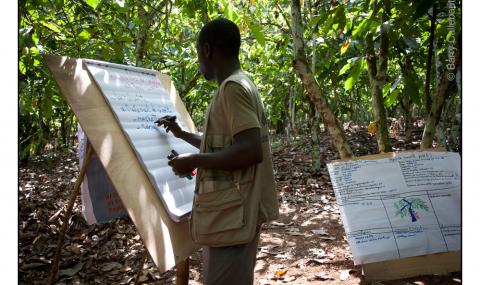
<point x="404" y="206"/>
<point x="137" y="99"/>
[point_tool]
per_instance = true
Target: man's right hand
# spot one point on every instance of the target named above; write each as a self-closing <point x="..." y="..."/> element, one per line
<point x="170" y="125"/>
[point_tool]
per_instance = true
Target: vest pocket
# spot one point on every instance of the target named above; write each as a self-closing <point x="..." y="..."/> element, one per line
<point x="218" y="211"/>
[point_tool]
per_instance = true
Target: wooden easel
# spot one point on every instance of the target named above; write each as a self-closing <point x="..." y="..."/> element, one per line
<point x="182" y="268"/>
<point x="168" y="243"/>
<point x="68" y="213"/>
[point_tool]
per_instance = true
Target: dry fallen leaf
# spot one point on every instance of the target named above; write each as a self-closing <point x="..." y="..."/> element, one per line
<point x="28" y="266"/>
<point x="294" y="232"/>
<point x="71" y="271"/>
<point x="278" y="224"/>
<point x="321" y="231"/>
<point x="344" y="274"/>
<point x="318" y="261"/>
<point x="264" y="282"/>
<point x="281" y="272"/>
<point x="327" y="238"/>
<point x="74" y="248"/>
<point x="111" y="265"/>
<point x="324" y="276"/>
<point x="126" y="280"/>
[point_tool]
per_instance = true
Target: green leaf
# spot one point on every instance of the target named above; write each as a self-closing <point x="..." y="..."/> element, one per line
<point x="34" y="51"/>
<point x="92" y="3"/>
<point x="314" y="21"/>
<point x="391" y="98"/>
<point x="386" y="89"/>
<point x="35" y="38"/>
<point x="362" y="28"/>
<point x="256" y="30"/>
<point x="22" y="68"/>
<point x="51" y="26"/>
<point x="59" y="4"/>
<point x="355" y="74"/>
<point x="350" y="82"/>
<point x="84" y="35"/>
<point x="345" y="68"/>
<point x="229" y="11"/>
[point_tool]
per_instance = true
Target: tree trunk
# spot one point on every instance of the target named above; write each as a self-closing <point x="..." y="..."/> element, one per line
<point x="410" y="85"/>
<point x="441" y="94"/>
<point x="141" y="34"/>
<point x="377" y="81"/>
<point x="291" y="110"/>
<point x="408" y="124"/>
<point x="314" y="93"/>
<point x="205" y="18"/>
<point x="427" y="99"/>
<point x="435" y="112"/>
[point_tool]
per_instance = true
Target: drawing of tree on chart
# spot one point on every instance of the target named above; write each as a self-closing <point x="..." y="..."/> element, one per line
<point x="407" y="207"/>
<point x="399" y="207"/>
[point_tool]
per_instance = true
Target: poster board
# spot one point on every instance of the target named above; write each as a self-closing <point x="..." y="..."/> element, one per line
<point x="167" y="241"/>
<point x="399" y="208"/>
<point x="100" y="200"/>
<point x="137" y="99"/>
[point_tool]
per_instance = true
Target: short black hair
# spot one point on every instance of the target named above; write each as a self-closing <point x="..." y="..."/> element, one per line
<point x="221" y="33"/>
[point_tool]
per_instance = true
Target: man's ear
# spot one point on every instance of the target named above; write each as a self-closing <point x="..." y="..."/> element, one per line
<point x="207" y="50"/>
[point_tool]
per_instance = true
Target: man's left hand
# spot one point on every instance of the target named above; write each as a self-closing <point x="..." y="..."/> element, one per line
<point x="182" y="165"/>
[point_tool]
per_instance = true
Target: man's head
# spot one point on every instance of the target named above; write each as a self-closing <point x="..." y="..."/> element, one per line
<point x="218" y="42"/>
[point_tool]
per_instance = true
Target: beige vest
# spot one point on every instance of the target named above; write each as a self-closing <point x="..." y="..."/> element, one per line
<point x="217" y="192"/>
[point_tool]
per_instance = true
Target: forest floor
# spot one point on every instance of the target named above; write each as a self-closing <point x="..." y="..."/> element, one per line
<point x="307" y="245"/>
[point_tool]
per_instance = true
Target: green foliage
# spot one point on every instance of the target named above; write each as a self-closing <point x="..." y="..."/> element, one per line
<point x="161" y="34"/>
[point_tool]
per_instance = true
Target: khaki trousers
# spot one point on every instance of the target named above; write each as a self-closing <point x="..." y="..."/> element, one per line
<point x="230" y="265"/>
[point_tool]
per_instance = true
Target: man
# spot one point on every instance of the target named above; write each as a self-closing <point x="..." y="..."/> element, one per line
<point x="235" y="188"/>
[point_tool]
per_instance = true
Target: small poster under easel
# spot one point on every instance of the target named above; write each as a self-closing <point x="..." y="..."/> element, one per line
<point x="399" y="206"/>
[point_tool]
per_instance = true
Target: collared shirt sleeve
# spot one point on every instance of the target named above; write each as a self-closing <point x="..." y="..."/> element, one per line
<point x="239" y="108"/>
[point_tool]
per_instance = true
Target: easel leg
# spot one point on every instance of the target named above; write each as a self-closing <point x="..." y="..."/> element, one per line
<point x="54" y="269"/>
<point x="182" y="272"/>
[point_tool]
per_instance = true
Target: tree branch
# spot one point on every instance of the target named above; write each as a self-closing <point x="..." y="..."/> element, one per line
<point x="190" y="85"/>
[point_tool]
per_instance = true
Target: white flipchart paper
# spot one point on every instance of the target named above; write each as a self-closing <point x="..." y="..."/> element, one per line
<point x="399" y="207"/>
<point x="137" y="99"/>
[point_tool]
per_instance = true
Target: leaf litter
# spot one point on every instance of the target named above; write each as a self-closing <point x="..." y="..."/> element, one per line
<point x="307" y="243"/>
